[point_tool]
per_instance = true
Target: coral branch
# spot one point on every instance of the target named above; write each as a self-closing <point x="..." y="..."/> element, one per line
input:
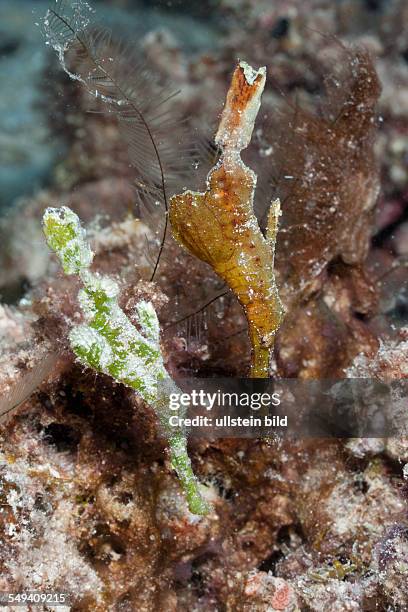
<point x="109" y="343"/>
<point x="219" y="226"/>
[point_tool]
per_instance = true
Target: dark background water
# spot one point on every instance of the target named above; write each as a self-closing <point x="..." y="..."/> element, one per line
<point x="28" y="150"/>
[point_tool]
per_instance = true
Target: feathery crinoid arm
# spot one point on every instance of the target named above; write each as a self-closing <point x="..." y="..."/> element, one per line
<point x="159" y="144"/>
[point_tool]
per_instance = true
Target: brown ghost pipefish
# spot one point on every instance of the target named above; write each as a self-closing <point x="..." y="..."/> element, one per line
<point x="219" y="225"/>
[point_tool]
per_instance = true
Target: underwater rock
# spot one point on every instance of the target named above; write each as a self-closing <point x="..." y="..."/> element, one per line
<point x="390" y="362"/>
<point x="312" y="525"/>
<point x="263" y="592"/>
<point x="392" y="563"/>
<point x="346" y="513"/>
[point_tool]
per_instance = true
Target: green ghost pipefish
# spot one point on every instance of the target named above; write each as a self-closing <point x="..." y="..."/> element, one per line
<point x="108" y="342"/>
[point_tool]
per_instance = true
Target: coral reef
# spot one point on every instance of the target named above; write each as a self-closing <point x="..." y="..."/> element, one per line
<point x="90" y="502"/>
